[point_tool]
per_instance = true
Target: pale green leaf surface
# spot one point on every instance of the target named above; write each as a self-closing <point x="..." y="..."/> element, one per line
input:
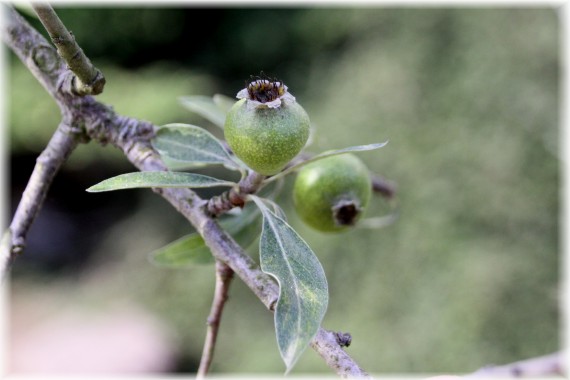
<point x="179" y="166"/>
<point x="235" y="224"/>
<point x="157" y="179"/>
<point x="328" y="153"/>
<point x="224" y="102"/>
<point x="185" y="252"/>
<point x="191" y="144"/>
<point x="205" y="107"/>
<point x="191" y="250"/>
<point x="277" y="210"/>
<point x="303" y="286"/>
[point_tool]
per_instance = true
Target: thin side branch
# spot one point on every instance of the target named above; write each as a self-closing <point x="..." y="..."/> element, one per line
<point x="548" y="365"/>
<point x="48" y="163"/>
<point x="224" y="276"/>
<point x="383" y="186"/>
<point x="89" y="80"/>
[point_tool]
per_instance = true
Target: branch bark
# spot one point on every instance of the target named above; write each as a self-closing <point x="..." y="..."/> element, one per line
<point x="133" y="138"/>
<point x="235" y="197"/>
<point x="224" y="276"/>
<point x="548" y="365"/>
<point x="48" y="163"/>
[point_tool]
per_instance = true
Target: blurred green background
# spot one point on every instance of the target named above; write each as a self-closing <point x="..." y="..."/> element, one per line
<point x="469" y="101"/>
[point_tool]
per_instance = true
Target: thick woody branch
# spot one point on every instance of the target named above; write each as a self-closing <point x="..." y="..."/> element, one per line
<point x="88" y="80"/>
<point x="35" y="52"/>
<point x="224" y="276"/>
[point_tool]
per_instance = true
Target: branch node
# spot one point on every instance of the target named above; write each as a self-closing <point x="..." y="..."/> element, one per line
<point x="236" y="196"/>
<point x="273" y="304"/>
<point x="343" y="339"/>
<point x="44" y="58"/>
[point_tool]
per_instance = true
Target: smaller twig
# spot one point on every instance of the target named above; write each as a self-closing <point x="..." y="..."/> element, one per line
<point x="547" y="365"/>
<point x="383" y="186"/>
<point x="89" y="80"/>
<point x="224" y="275"/>
<point x="48" y="163"/>
<point x="235" y="197"/>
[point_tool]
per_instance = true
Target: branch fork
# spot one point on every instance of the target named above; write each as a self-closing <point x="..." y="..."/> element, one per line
<point x="88" y="80"/>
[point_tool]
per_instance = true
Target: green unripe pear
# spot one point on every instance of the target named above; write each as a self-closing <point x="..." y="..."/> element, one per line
<point x="331" y="194"/>
<point x="267" y="128"/>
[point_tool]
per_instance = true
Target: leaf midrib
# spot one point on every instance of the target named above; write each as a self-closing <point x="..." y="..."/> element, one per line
<point x="277" y="237"/>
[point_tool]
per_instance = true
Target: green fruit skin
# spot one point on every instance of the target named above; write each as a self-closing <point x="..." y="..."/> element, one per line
<point x="266" y="139"/>
<point x="322" y="184"/>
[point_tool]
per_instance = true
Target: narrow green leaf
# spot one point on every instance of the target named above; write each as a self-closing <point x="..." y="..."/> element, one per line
<point x="179" y="166"/>
<point x="191" y="144"/>
<point x="234" y="220"/>
<point x="303" y="286"/>
<point x="224" y="102"/>
<point x="351" y="149"/>
<point x="191" y="250"/>
<point x="205" y="107"/>
<point x="157" y="179"/>
<point x="185" y="252"/>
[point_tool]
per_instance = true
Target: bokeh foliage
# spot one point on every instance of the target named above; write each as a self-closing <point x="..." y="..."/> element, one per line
<point x="469" y="100"/>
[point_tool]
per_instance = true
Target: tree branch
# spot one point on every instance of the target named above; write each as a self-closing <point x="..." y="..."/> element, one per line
<point x="133" y="138"/>
<point x="48" y="163"/>
<point x="35" y="52"/>
<point x="547" y="365"/>
<point x="383" y="186"/>
<point x="89" y="80"/>
<point x="224" y="276"/>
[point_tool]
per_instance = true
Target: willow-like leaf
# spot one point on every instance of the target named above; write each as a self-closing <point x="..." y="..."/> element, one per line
<point x="351" y="149"/>
<point x="185" y="252"/>
<point x="205" y="107"/>
<point x="224" y="102"/>
<point x="303" y="289"/>
<point x="191" y="250"/>
<point x="191" y="144"/>
<point x="157" y="179"/>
